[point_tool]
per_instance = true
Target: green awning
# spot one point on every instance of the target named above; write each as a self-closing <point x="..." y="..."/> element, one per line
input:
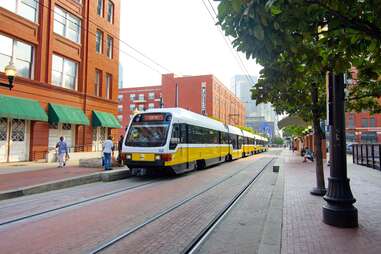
<point x="20" y="108"/>
<point x="66" y="114"/>
<point x="104" y="119"/>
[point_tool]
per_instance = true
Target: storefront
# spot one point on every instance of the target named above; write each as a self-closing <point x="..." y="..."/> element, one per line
<point x="62" y="122"/>
<point x="102" y="122"/>
<point x="16" y="115"/>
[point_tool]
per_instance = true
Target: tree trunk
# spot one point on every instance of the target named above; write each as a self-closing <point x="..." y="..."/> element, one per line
<point x="318" y="137"/>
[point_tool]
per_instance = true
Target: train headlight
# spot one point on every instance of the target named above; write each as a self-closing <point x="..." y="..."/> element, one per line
<point x="157" y="157"/>
<point x="128" y="156"/>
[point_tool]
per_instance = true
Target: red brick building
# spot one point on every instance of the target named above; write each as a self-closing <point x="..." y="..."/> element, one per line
<point x="66" y="54"/>
<point x="203" y="94"/>
<point x="363" y="128"/>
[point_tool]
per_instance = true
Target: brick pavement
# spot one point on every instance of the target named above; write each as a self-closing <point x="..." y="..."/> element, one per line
<point x="40" y="176"/>
<point x="303" y="229"/>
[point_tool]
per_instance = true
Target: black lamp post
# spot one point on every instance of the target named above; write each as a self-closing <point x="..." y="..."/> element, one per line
<point x="339" y="210"/>
<point x="10" y="72"/>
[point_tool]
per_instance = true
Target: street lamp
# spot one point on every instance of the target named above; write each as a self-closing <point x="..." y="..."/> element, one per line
<point x="10" y="72"/>
<point x="339" y="210"/>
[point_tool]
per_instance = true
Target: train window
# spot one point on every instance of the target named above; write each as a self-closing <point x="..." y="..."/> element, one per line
<point x="175" y="137"/>
<point x="240" y="141"/>
<point x="234" y="141"/>
<point x="183" y="133"/>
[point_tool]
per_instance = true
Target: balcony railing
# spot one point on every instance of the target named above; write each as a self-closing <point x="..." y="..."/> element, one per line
<point x="367" y="155"/>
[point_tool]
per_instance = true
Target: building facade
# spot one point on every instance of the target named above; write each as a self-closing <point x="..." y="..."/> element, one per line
<point x="363" y="127"/>
<point x="203" y="94"/>
<point x="66" y="56"/>
<point x="261" y="117"/>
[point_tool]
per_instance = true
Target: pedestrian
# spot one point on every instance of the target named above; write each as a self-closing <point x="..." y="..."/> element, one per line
<point x="62" y="152"/>
<point x="308" y="155"/>
<point x="108" y="148"/>
<point x="120" y="144"/>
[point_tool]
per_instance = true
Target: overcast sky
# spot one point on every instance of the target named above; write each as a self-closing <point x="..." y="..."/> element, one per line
<point x="179" y="35"/>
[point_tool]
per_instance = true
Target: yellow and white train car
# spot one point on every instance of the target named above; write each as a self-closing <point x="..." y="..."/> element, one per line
<point x="248" y="143"/>
<point x="178" y="140"/>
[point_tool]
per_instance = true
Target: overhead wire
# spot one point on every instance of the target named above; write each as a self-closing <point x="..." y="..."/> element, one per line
<point x="114" y="37"/>
<point x="228" y="42"/>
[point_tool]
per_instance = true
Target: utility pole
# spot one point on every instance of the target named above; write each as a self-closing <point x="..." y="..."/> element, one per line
<point x="339" y="210"/>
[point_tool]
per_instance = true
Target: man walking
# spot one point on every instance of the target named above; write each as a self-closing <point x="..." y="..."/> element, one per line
<point x="62" y="152"/>
<point x="108" y="148"/>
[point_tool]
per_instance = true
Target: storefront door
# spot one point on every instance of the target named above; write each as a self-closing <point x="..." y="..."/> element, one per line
<point x="99" y="136"/>
<point x="57" y="130"/>
<point x="14" y="134"/>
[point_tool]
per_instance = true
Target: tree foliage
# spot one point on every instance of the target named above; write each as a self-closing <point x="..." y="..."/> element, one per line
<point x="279" y="31"/>
<point x="293" y="131"/>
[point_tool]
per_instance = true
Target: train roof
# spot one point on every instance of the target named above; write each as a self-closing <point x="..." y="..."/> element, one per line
<point x="235" y="130"/>
<point x="248" y="134"/>
<point x="190" y="117"/>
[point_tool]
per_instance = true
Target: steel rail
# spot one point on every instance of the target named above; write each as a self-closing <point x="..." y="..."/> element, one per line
<point x="74" y="204"/>
<point x="194" y="246"/>
<point x="168" y="210"/>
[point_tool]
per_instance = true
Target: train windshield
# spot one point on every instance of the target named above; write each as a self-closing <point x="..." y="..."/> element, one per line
<point x="148" y="131"/>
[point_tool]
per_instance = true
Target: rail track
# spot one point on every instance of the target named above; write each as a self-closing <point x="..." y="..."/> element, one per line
<point x="195" y="243"/>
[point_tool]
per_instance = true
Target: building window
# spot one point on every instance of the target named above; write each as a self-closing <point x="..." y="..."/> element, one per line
<point x="351" y="121"/>
<point x="141" y="107"/>
<point x="110" y="12"/>
<point x="364" y="122"/>
<point x="151" y="96"/>
<point x="120" y="109"/>
<point x="151" y="105"/>
<point x="99" y="41"/>
<point x="100" y="8"/>
<point x="132" y="97"/>
<point x="369" y="137"/>
<point x="64" y="72"/>
<point x="372" y="122"/>
<point x="25" y="8"/>
<point x="120" y="98"/>
<point x="141" y="97"/>
<point x="67" y="25"/>
<point x="21" y="54"/>
<point x="120" y="118"/>
<point x="98" y="82"/>
<point x="132" y="107"/>
<point x="108" y="85"/>
<point x="109" y="46"/>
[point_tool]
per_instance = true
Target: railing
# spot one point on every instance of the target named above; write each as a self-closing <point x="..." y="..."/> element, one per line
<point x="367" y="155"/>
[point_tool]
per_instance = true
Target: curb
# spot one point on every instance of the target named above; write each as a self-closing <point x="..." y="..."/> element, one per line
<point x="107" y="176"/>
<point x="271" y="241"/>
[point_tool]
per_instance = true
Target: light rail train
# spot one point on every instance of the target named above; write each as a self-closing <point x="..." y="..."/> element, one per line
<point x="178" y="140"/>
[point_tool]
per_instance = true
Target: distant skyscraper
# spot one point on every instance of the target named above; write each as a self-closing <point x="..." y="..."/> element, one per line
<point x="260" y="117"/>
<point x="120" y="81"/>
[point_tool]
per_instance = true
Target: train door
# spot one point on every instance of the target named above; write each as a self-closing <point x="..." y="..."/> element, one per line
<point x="185" y="141"/>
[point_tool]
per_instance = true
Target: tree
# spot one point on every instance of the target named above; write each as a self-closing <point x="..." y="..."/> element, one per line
<point x="293" y="131"/>
<point x="345" y="34"/>
<point x="277" y="141"/>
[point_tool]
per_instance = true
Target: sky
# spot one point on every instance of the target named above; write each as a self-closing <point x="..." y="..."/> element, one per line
<point x="179" y="35"/>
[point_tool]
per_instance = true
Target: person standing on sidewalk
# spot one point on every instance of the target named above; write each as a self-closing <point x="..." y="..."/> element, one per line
<point x="120" y="144"/>
<point x="108" y="148"/>
<point x="62" y="152"/>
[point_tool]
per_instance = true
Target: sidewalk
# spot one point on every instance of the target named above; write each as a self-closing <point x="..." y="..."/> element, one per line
<point x="303" y="230"/>
<point x="32" y="177"/>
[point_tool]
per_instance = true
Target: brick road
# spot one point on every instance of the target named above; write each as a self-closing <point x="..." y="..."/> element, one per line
<point x="303" y="229"/>
<point x="82" y="228"/>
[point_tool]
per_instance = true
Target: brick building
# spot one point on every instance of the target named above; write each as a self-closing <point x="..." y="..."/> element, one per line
<point x="66" y="55"/>
<point x="363" y="128"/>
<point x="203" y="94"/>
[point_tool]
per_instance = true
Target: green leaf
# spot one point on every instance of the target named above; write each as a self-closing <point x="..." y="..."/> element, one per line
<point x="259" y="33"/>
<point x="236" y="4"/>
<point x="275" y="10"/>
